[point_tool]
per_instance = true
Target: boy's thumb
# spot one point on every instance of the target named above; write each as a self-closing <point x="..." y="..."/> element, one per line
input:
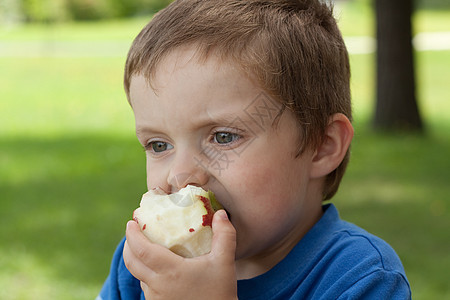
<point x="224" y="236"/>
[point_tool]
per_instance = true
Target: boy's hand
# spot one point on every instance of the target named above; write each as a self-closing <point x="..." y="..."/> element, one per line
<point x="165" y="275"/>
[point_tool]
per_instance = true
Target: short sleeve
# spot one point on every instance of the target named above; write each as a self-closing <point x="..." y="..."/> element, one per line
<point x="378" y="285"/>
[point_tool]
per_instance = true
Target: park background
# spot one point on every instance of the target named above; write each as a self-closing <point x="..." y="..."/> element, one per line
<point x="72" y="172"/>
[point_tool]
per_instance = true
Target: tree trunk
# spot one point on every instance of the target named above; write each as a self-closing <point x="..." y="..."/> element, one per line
<point x="396" y="105"/>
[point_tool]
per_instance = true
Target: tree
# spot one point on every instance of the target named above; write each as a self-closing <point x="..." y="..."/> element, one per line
<point x="396" y="104"/>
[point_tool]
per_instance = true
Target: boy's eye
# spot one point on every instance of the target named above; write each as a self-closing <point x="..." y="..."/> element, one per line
<point x="158" y="146"/>
<point x="225" y="137"/>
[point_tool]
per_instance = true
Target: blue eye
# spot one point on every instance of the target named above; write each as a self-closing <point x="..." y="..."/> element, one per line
<point x="159" y="146"/>
<point x="225" y="137"/>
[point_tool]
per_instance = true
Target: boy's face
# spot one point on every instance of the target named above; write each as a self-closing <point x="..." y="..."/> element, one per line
<point x="209" y="125"/>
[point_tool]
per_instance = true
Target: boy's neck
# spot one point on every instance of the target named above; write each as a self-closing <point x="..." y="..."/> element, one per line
<point x="251" y="267"/>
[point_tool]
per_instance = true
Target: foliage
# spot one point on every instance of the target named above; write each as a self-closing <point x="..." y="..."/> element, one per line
<point x="433" y="4"/>
<point x="62" y="10"/>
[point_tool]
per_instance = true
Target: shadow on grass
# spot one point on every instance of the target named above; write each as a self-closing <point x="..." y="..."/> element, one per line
<point x="64" y="203"/>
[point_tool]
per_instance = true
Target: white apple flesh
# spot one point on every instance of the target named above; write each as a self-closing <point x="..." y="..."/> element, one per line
<point x="180" y="221"/>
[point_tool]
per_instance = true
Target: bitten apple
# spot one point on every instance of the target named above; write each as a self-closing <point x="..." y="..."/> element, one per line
<point x="180" y="221"/>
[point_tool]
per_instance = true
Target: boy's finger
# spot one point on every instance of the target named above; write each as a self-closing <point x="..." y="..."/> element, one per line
<point x="224" y="237"/>
<point x="152" y="255"/>
<point x="134" y="265"/>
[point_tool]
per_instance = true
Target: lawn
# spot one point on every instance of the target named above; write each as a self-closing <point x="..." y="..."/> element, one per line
<point x="71" y="171"/>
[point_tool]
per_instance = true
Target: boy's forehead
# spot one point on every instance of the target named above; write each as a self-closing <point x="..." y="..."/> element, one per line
<point x="179" y="58"/>
<point x="224" y="90"/>
<point x="187" y="66"/>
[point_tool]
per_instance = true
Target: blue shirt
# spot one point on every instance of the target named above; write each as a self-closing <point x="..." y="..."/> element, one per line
<point x="334" y="260"/>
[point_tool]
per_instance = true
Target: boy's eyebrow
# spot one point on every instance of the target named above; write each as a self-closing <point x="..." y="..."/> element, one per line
<point x="243" y="121"/>
<point x="140" y="132"/>
<point x="219" y="120"/>
<point x="247" y="120"/>
<point x="258" y="117"/>
<point x="230" y="120"/>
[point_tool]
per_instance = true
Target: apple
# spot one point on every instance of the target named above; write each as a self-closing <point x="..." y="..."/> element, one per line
<point x="179" y="221"/>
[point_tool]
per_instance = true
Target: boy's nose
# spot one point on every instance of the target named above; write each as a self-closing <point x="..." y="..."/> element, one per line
<point x="180" y="181"/>
<point x="185" y="171"/>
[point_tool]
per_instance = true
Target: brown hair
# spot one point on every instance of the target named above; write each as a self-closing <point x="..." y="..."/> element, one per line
<point x="292" y="48"/>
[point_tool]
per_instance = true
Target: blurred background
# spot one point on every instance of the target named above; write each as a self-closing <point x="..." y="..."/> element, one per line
<point x="72" y="172"/>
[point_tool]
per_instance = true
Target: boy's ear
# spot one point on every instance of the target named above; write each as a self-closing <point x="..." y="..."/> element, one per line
<point x="330" y="154"/>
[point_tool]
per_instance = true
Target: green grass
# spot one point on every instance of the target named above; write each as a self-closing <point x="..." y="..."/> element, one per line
<point x="50" y="95"/>
<point x="71" y="171"/>
<point x="64" y="204"/>
<point x="122" y="30"/>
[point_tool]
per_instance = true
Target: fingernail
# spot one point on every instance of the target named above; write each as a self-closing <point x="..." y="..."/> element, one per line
<point x="223" y="215"/>
<point x="129" y="223"/>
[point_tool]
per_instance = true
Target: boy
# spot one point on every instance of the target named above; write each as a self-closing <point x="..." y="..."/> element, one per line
<point x="251" y="100"/>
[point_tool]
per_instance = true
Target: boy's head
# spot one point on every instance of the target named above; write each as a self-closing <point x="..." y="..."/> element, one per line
<point x="291" y="48"/>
